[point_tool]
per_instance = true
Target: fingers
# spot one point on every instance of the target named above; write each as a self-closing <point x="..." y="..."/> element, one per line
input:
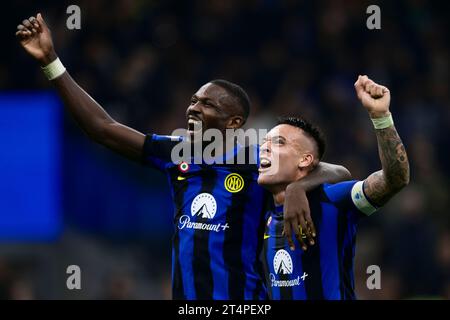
<point x="287" y="233"/>
<point x="299" y="238"/>
<point x="359" y="86"/>
<point x="23" y="32"/>
<point x="309" y="237"/>
<point x="378" y="91"/>
<point x="297" y="232"/>
<point x="303" y="233"/>
<point x="20" y="35"/>
<point x="310" y="230"/>
<point x="310" y="223"/>
<point x="22" y="28"/>
<point x="303" y="229"/>
<point x="30" y="26"/>
<point x="27" y="24"/>
<point x="35" y="23"/>
<point x="364" y="84"/>
<point x="373" y="89"/>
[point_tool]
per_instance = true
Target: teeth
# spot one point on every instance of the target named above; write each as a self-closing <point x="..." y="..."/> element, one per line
<point x="265" y="162"/>
<point x="194" y="125"/>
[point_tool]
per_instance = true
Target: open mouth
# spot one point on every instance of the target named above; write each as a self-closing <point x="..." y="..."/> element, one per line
<point x="264" y="164"/>
<point x="194" y="125"/>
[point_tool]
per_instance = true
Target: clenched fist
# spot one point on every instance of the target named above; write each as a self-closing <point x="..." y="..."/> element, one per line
<point x="374" y="97"/>
<point x="36" y="39"/>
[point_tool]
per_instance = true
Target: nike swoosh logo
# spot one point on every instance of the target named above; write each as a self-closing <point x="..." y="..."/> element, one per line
<point x="180" y="178"/>
<point x="266" y="236"/>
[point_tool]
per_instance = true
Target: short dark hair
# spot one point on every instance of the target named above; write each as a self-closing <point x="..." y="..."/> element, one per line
<point x="309" y="129"/>
<point x="236" y="92"/>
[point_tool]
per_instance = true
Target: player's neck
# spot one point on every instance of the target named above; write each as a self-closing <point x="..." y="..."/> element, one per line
<point x="279" y="191"/>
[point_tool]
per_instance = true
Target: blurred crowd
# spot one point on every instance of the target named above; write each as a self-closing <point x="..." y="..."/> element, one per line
<point x="142" y="60"/>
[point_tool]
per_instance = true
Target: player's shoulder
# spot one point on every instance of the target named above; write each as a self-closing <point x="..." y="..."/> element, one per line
<point x="337" y="191"/>
<point x="333" y="193"/>
<point x="351" y="193"/>
<point x="157" y="150"/>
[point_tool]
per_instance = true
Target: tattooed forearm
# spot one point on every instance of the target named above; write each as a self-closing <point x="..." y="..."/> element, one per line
<point x="383" y="184"/>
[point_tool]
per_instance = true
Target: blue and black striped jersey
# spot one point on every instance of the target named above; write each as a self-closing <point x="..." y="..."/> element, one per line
<point x="325" y="270"/>
<point x="219" y="224"/>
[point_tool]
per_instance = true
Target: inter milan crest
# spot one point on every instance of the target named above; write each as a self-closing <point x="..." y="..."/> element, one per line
<point x="234" y="183"/>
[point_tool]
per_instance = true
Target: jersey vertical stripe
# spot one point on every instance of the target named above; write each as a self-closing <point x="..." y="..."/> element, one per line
<point x="201" y="264"/>
<point x="329" y="260"/>
<point x="310" y="259"/>
<point x="218" y="266"/>
<point x="187" y="252"/>
<point x="284" y="292"/>
<point x="259" y="293"/>
<point x="177" y="281"/>
<point x="233" y="244"/>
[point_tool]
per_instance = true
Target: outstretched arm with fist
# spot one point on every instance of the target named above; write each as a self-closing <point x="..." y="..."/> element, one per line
<point x="380" y="186"/>
<point x="35" y="37"/>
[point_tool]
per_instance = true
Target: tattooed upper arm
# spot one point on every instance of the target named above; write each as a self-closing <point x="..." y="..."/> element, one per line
<point x="382" y="185"/>
<point x="375" y="188"/>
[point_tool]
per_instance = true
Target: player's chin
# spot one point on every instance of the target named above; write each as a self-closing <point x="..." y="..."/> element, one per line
<point x="265" y="179"/>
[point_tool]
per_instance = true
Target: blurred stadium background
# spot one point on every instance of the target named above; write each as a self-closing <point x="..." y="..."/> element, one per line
<point x="65" y="200"/>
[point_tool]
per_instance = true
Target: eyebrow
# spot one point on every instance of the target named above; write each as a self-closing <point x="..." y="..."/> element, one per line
<point x="206" y="99"/>
<point x="278" y="136"/>
<point x="274" y="137"/>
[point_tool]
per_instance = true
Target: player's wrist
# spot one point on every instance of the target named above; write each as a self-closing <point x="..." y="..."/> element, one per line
<point x="379" y="114"/>
<point x="48" y="58"/>
<point x="54" y="69"/>
<point x="382" y="121"/>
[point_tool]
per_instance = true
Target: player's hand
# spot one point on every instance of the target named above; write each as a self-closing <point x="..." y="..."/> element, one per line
<point x="297" y="217"/>
<point x="36" y="39"/>
<point x="374" y="97"/>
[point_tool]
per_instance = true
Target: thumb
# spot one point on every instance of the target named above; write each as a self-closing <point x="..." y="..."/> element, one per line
<point x="41" y="20"/>
<point x="359" y="87"/>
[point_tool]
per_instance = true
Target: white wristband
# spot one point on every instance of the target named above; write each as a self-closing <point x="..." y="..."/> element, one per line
<point x="383" y="123"/>
<point x="54" y="69"/>
<point x="360" y="200"/>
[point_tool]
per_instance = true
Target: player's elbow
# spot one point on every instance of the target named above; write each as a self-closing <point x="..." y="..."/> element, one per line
<point x="340" y="173"/>
<point x="399" y="185"/>
<point x="400" y="181"/>
<point x="405" y="180"/>
<point x="344" y="173"/>
<point x="405" y="176"/>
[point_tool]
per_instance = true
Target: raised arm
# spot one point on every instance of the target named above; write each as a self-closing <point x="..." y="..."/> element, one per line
<point x="296" y="205"/>
<point x="35" y="38"/>
<point x="382" y="185"/>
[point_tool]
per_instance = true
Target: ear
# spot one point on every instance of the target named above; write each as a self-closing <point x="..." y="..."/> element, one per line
<point x="235" y="122"/>
<point x="306" y="161"/>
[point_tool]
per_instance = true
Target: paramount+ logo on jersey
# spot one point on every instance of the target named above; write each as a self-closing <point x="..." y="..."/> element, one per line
<point x="203" y="207"/>
<point x="283" y="266"/>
